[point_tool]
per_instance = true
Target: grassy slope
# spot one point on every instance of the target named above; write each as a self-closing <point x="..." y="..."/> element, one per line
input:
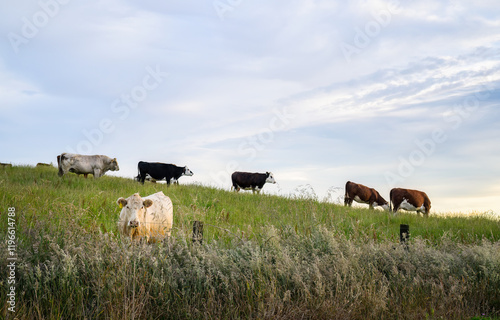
<point x="263" y="257"/>
<point x="39" y="193"/>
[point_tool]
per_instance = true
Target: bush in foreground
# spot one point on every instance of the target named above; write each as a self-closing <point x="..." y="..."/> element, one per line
<point x="77" y="274"/>
<point x="263" y="257"/>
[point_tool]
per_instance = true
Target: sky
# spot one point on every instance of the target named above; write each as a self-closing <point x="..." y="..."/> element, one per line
<point x="383" y="93"/>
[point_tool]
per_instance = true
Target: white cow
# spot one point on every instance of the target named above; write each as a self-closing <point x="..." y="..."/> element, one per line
<point x="81" y="164"/>
<point x="150" y="217"/>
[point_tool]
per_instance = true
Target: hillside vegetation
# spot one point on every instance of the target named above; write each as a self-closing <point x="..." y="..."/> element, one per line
<point x="262" y="256"/>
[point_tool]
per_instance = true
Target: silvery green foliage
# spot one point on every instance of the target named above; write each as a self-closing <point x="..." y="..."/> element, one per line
<point x="278" y="274"/>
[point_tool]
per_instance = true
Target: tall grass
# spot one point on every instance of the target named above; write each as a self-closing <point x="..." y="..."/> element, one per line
<point x="263" y="257"/>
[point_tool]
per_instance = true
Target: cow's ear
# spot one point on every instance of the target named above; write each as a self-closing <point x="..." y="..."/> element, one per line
<point x="114" y="160"/>
<point x="121" y="202"/>
<point x="148" y="203"/>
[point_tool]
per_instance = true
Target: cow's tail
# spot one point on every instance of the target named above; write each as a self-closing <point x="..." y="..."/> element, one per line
<point x="346" y="195"/>
<point x="59" y="159"/>
<point x="141" y="174"/>
<point x="390" y="201"/>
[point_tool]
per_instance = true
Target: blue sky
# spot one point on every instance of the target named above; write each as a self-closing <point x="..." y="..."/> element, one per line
<point x="383" y="93"/>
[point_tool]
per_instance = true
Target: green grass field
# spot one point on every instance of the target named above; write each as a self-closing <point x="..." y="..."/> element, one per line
<point x="263" y="256"/>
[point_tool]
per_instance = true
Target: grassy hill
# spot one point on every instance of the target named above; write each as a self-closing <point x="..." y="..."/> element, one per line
<point x="262" y="256"/>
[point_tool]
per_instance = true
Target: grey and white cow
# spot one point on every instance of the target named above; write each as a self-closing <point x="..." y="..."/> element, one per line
<point x="96" y="165"/>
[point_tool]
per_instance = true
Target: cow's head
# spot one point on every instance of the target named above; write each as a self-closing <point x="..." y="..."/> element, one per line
<point x="187" y="172"/>
<point x="133" y="210"/>
<point x="385" y="206"/>
<point x="114" y="165"/>
<point x="427" y="208"/>
<point x="382" y="202"/>
<point x="270" y="177"/>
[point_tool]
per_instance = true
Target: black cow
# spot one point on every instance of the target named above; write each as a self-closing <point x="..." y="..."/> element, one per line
<point x="159" y="171"/>
<point x="251" y="181"/>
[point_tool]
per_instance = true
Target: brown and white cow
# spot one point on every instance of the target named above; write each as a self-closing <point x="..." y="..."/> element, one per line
<point x="150" y="217"/>
<point x="363" y="194"/>
<point x="251" y="181"/>
<point x="81" y="164"/>
<point x="410" y="200"/>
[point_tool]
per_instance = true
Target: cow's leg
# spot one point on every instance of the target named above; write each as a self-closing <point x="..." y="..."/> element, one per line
<point x="85" y="175"/>
<point x="97" y="173"/>
<point x="62" y="172"/>
<point x="235" y="187"/>
<point x="59" y="166"/>
<point x="347" y="201"/>
<point x="168" y="181"/>
<point x="371" y="201"/>
<point x="395" y="209"/>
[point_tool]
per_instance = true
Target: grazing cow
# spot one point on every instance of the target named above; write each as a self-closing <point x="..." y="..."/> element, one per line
<point x="251" y="181"/>
<point x="41" y="164"/>
<point x="150" y="217"/>
<point x="80" y="164"/>
<point x="362" y="194"/>
<point x="410" y="200"/>
<point x="159" y="171"/>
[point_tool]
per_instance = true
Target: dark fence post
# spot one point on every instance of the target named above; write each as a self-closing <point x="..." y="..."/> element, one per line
<point x="404" y="234"/>
<point x="198" y="232"/>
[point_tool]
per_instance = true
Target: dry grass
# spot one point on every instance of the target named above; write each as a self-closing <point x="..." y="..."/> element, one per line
<point x="300" y="260"/>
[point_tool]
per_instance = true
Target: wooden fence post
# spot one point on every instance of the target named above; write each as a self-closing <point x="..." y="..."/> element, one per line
<point x="404" y="234"/>
<point x="198" y="232"/>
